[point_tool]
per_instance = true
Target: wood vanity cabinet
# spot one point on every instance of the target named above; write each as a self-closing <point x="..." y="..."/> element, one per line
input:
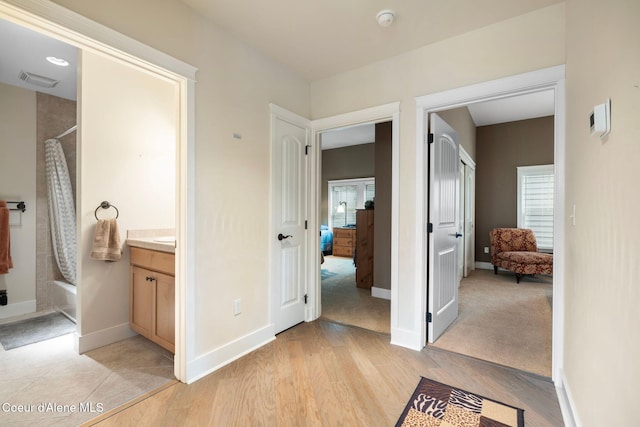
<point x="152" y="296"/>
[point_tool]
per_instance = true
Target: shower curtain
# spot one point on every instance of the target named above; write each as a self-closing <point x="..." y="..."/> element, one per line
<point x="62" y="214"/>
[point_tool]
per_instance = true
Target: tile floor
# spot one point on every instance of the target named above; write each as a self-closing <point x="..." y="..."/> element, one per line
<point x="47" y="383"/>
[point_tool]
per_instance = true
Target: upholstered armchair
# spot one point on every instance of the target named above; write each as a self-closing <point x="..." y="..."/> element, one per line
<point x="515" y="249"/>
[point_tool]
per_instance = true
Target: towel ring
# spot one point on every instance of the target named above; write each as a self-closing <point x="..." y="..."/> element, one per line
<point x="106" y="205"/>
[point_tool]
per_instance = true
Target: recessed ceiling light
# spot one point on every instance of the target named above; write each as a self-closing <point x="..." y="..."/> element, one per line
<point x="58" y="61"/>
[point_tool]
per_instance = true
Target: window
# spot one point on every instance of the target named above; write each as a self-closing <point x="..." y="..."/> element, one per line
<point x="535" y="203"/>
<point x="347" y="195"/>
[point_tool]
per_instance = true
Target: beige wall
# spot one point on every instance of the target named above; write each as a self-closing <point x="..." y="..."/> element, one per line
<point x="17" y="183"/>
<point x="529" y="42"/>
<point x="235" y="85"/>
<point x="501" y="149"/>
<point x="356" y="161"/>
<point x="602" y="296"/>
<point x="127" y="156"/>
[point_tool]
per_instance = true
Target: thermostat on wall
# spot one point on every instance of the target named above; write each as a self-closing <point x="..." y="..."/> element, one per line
<point x="600" y="119"/>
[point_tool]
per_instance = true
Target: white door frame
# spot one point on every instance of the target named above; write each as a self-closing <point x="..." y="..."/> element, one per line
<point x="546" y="79"/>
<point x="63" y="24"/>
<point x="382" y="113"/>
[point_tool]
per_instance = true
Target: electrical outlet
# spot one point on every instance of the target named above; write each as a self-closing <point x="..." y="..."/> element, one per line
<point x="486" y="249"/>
<point x="237" y="307"/>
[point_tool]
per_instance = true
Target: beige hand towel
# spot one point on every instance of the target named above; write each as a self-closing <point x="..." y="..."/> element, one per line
<point x="5" y="240"/>
<point x="106" y="241"/>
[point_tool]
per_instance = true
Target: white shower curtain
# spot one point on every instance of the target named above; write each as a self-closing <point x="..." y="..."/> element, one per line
<point x="62" y="213"/>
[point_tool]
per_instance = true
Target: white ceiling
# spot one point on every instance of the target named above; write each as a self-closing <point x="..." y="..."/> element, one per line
<point x="322" y="38"/>
<point x="353" y="39"/>
<point x="26" y="50"/>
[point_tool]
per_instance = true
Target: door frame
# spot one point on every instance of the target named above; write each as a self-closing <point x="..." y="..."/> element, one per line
<point x="382" y="113"/>
<point x="552" y="78"/>
<point x="63" y="24"/>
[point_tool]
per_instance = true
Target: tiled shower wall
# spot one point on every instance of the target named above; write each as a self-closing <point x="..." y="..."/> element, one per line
<point x="54" y="116"/>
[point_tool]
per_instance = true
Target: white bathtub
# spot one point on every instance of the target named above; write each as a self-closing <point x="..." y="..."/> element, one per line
<point x="62" y="297"/>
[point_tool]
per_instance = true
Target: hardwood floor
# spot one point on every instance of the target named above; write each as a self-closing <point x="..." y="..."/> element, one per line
<point x="325" y="374"/>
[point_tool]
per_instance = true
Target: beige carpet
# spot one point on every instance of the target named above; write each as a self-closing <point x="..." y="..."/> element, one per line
<point x="344" y="303"/>
<point x="504" y="322"/>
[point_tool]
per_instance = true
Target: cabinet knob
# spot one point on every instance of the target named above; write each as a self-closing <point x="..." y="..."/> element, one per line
<point x="149" y="279"/>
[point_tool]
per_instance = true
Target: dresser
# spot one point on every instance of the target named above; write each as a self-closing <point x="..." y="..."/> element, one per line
<point x="364" y="248"/>
<point x="344" y="241"/>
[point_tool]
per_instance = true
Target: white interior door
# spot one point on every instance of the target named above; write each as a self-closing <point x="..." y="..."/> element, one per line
<point x="289" y="210"/>
<point x="461" y="213"/>
<point x="469" y="219"/>
<point x="444" y="218"/>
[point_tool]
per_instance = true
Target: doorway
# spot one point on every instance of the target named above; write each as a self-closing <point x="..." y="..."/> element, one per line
<point x="355" y="226"/>
<point x="547" y="79"/>
<point x="62" y="24"/>
<point x="384" y="113"/>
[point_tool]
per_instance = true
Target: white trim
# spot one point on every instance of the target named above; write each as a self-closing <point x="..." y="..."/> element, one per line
<point x="58" y="22"/>
<point x="17" y="309"/>
<point x="227" y="353"/>
<point x="84" y="343"/>
<point x="546" y="79"/>
<point x="377" y="114"/>
<point x="381" y="293"/>
<point x="567" y="406"/>
<point x="466" y="158"/>
<point x="484" y="265"/>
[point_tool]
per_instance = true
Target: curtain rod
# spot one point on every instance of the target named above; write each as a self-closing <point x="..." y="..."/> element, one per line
<point x="67" y="132"/>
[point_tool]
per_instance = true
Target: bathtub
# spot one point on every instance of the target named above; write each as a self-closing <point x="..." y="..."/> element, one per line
<point x="62" y="297"/>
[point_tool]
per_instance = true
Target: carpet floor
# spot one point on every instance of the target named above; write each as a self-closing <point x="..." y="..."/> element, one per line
<point x="503" y="322"/>
<point x="345" y="303"/>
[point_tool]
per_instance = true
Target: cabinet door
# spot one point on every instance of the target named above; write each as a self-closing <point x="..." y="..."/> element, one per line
<point x="164" y="315"/>
<point x="141" y="300"/>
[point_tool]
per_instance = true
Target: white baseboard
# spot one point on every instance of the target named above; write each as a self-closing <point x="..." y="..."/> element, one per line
<point x="104" y="337"/>
<point x="406" y="338"/>
<point x="17" y="309"/>
<point x="223" y="355"/>
<point x="567" y="406"/>
<point x="484" y="265"/>
<point x="381" y="293"/>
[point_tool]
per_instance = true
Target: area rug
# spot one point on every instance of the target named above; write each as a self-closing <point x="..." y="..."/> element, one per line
<point x="435" y="404"/>
<point x="36" y="329"/>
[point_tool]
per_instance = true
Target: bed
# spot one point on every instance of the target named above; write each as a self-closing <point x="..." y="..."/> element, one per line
<point x="326" y="240"/>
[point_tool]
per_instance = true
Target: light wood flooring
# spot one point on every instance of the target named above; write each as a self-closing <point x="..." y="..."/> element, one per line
<point x="325" y="374"/>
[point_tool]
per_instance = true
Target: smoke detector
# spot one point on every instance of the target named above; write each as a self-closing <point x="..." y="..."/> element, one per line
<point x="385" y="17"/>
<point x="37" y="80"/>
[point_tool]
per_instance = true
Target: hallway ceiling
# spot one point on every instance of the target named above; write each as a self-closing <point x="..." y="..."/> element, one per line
<point x="319" y="39"/>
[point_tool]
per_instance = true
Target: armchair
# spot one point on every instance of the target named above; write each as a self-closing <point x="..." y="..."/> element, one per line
<point x="515" y="249"/>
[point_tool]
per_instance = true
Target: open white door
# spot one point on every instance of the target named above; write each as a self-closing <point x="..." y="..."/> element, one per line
<point x="290" y="137"/>
<point x="444" y="218"/>
<point x="469" y="219"/>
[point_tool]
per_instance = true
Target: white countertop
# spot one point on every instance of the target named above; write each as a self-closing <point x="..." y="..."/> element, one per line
<point x="157" y="240"/>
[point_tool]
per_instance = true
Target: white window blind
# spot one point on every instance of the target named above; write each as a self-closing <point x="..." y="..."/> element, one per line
<point x="353" y="192"/>
<point x="535" y="203"/>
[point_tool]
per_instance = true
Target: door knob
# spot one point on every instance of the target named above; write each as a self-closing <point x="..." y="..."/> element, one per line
<point x="456" y="235"/>
<point x="282" y="236"/>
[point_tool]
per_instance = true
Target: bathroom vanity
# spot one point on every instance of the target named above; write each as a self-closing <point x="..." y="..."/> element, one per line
<point x="152" y="289"/>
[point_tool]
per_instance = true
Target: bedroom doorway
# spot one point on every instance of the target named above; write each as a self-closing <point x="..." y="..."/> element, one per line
<point x="381" y="120"/>
<point x="356" y="225"/>
<point x="533" y="82"/>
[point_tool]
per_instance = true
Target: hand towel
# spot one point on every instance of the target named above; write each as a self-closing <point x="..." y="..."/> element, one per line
<point x="106" y="241"/>
<point x="5" y="240"/>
